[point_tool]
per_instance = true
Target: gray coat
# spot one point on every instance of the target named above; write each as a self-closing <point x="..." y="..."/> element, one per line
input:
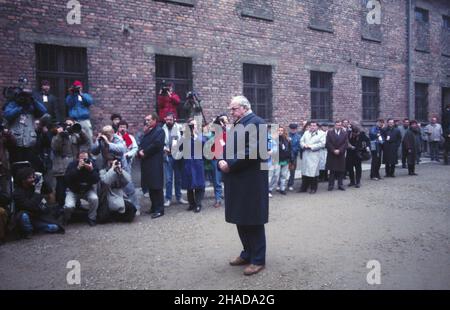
<point x="65" y="150"/>
<point x="115" y="183"/>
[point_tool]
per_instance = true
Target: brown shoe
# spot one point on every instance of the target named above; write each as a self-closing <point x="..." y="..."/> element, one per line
<point x="253" y="269"/>
<point x="238" y="261"/>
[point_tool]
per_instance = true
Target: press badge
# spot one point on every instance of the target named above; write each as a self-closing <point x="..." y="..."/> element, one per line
<point x="80" y="98"/>
<point x="45" y="98"/>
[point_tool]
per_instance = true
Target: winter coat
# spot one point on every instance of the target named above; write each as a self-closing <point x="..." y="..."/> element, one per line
<point x="246" y="186"/>
<point x="114" y="185"/>
<point x="56" y="112"/>
<point x="152" y="171"/>
<point x="193" y="173"/>
<point x="434" y="132"/>
<point x="168" y="104"/>
<point x="80" y="181"/>
<point x="78" y="106"/>
<point x="410" y="146"/>
<point x="392" y="139"/>
<point x="312" y="156"/>
<point x="65" y="150"/>
<point x="336" y="142"/>
<point x="361" y="142"/>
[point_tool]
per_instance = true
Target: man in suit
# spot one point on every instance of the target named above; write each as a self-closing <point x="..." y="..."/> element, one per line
<point x="392" y="140"/>
<point x="244" y="179"/>
<point x="151" y="152"/>
<point x="336" y="145"/>
<point x="44" y="95"/>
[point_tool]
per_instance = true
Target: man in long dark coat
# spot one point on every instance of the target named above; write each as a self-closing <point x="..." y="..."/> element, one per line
<point x="246" y="189"/>
<point x="151" y="152"/>
<point x="410" y="146"/>
<point x="336" y="145"/>
<point x="392" y="141"/>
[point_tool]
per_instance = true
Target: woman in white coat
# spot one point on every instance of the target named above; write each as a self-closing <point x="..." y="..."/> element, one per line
<point x="311" y="143"/>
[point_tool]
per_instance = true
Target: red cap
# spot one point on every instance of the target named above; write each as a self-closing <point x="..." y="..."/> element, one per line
<point x="77" y="83"/>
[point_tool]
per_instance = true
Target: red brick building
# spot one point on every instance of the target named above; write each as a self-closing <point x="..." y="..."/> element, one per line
<point x="316" y="59"/>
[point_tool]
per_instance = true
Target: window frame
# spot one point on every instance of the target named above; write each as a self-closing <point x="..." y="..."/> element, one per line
<point x="421" y="100"/>
<point x="371" y="95"/>
<point x="326" y="90"/>
<point x="258" y="71"/>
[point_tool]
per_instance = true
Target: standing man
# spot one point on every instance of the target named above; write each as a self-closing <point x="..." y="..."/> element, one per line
<point x="336" y="144"/>
<point x="435" y="133"/>
<point x="43" y="95"/>
<point x="78" y="104"/>
<point x="392" y="140"/>
<point x="151" y="152"/>
<point x="403" y="129"/>
<point x="294" y="138"/>
<point x="376" y="147"/>
<point x="244" y="178"/>
<point x="172" y="167"/>
<point x="410" y="146"/>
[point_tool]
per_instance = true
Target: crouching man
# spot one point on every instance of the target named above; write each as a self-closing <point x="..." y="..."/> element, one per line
<point x="33" y="199"/>
<point x="81" y="178"/>
<point x="113" y="206"/>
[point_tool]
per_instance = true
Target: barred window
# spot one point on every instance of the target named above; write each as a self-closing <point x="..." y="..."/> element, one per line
<point x="370" y="98"/>
<point x="258" y="89"/>
<point x="421" y="100"/>
<point x="321" y="96"/>
<point x="177" y="70"/>
<point x="61" y="66"/>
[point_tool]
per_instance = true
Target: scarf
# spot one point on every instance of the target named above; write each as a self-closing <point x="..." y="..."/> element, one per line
<point x="127" y="139"/>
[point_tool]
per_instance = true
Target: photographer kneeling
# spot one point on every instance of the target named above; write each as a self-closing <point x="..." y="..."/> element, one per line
<point x="32" y="197"/>
<point x="113" y="205"/>
<point x="81" y="178"/>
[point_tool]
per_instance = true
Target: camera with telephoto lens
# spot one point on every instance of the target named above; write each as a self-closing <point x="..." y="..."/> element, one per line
<point x="87" y="161"/>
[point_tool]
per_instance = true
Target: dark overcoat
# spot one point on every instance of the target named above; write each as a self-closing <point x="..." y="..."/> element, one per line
<point x="392" y="140"/>
<point x="152" y="171"/>
<point x="336" y="142"/>
<point x="410" y="147"/>
<point x="246" y="186"/>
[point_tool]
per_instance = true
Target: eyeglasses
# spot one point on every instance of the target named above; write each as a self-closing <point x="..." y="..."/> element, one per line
<point x="234" y="108"/>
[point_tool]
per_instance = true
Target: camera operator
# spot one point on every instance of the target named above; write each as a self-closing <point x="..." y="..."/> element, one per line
<point x="66" y="144"/>
<point x="218" y="148"/>
<point x="21" y="113"/>
<point x="168" y="101"/>
<point x="49" y="100"/>
<point x="111" y="145"/>
<point x="81" y="178"/>
<point x="192" y="105"/>
<point x="114" y="180"/>
<point x="33" y="199"/>
<point x="78" y="104"/>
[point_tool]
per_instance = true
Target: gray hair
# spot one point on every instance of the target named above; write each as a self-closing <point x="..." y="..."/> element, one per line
<point x="242" y="101"/>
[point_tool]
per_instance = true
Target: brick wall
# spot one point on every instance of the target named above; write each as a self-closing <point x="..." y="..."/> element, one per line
<point x="222" y="35"/>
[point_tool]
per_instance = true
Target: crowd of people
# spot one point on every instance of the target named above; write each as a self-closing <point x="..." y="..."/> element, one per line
<point x="62" y="169"/>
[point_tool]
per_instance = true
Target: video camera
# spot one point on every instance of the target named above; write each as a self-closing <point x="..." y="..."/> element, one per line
<point x="18" y="93"/>
<point x="165" y="88"/>
<point x="68" y="130"/>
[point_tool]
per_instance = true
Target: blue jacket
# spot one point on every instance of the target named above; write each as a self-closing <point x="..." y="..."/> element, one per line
<point x="79" y="109"/>
<point x="376" y="138"/>
<point x="13" y="110"/>
<point x="295" y="144"/>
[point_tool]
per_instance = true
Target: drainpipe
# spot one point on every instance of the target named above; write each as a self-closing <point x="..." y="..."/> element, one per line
<point x="410" y="42"/>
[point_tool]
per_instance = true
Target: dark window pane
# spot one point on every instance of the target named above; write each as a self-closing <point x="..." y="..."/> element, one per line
<point x="421" y="101"/>
<point x="177" y="70"/>
<point x="421" y="15"/>
<point x="61" y="66"/>
<point x="446" y="22"/>
<point x="258" y="88"/>
<point x="321" y="95"/>
<point x="370" y="98"/>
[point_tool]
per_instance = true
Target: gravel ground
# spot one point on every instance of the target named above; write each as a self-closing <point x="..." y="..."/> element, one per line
<point x="321" y="241"/>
